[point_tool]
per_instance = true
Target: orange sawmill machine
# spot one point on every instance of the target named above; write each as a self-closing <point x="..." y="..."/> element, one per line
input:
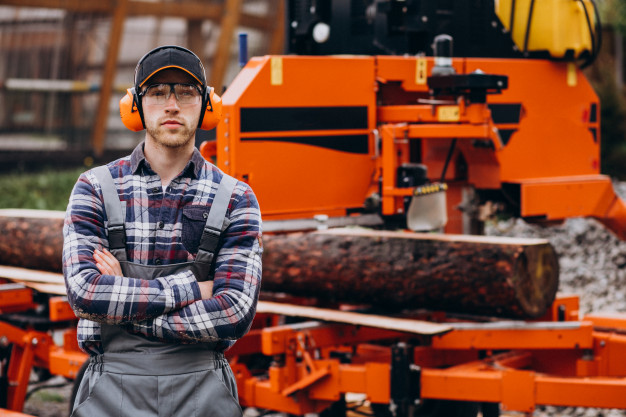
<point x="414" y="115"/>
<point x="350" y="139"/>
<point x="425" y="115"/>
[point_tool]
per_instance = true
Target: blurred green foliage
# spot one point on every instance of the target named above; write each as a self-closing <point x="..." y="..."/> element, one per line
<point x="49" y="396"/>
<point x="613" y="126"/>
<point x="613" y="12"/>
<point x="43" y="190"/>
<point x="602" y="76"/>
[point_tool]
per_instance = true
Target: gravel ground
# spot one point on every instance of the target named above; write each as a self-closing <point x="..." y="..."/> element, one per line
<point x="592" y="260"/>
<point x="49" y="398"/>
<point x="592" y="265"/>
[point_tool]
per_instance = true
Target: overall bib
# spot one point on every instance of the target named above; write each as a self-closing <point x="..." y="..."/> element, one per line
<point x="138" y="377"/>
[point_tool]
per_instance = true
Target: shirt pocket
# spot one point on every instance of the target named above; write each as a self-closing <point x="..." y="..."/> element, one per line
<point x="194" y="219"/>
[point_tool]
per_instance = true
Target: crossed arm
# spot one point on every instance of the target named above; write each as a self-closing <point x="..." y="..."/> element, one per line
<point x="224" y="315"/>
<point x="174" y="307"/>
<point x="107" y="264"/>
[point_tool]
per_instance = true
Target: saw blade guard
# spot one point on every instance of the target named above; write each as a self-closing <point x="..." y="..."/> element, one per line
<point x="427" y="210"/>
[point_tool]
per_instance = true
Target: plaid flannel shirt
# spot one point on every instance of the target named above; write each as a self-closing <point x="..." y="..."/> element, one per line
<point x="161" y="230"/>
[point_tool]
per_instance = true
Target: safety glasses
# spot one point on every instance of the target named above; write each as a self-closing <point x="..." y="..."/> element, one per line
<point x="159" y="94"/>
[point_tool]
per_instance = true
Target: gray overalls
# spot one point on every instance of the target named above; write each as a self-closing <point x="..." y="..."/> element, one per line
<point x="139" y="377"/>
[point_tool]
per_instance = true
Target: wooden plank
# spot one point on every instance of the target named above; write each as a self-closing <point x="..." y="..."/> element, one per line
<point x="110" y="66"/>
<point x="83" y="6"/>
<point x="46" y="288"/>
<point x="189" y="10"/>
<point x="230" y="20"/>
<point x="42" y="281"/>
<point x="195" y="41"/>
<point x="202" y="10"/>
<point x="277" y="42"/>
<point x="369" y="320"/>
<point x="31" y="275"/>
<point x="33" y="213"/>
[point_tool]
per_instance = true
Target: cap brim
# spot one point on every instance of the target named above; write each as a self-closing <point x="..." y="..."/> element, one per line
<point x="166" y="67"/>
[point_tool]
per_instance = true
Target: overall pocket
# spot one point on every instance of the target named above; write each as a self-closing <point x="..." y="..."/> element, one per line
<point x="104" y="395"/>
<point x="216" y="398"/>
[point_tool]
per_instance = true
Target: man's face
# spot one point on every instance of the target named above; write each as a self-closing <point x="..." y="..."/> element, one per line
<point x="171" y="124"/>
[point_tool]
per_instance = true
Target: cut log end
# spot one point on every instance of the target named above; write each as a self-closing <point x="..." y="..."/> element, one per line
<point x="394" y="271"/>
<point x="536" y="279"/>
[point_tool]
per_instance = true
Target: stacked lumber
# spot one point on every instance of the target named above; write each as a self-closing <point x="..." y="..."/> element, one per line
<point x="390" y="271"/>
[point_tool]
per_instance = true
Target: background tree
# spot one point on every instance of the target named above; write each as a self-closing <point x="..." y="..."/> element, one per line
<point x="604" y="78"/>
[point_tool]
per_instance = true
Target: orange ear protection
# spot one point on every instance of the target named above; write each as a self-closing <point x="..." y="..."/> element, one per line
<point x="169" y="56"/>
<point x="212" y="110"/>
<point x="132" y="114"/>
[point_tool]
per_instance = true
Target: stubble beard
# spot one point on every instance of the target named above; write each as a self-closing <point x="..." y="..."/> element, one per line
<point x="172" y="140"/>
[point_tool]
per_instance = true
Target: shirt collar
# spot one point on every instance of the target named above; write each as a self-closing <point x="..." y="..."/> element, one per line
<point x="193" y="167"/>
<point x="137" y="157"/>
<point x="196" y="162"/>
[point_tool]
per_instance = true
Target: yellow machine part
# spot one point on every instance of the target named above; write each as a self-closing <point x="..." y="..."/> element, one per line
<point x="556" y="26"/>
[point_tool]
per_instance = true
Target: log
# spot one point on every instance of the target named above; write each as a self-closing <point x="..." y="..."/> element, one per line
<point x="390" y="271"/>
<point x="31" y="239"/>
<point x="403" y="270"/>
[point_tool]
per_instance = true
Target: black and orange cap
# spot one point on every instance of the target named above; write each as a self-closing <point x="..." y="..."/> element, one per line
<point x="169" y="56"/>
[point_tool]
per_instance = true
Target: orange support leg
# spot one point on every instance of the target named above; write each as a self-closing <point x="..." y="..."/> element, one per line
<point x="20" y="365"/>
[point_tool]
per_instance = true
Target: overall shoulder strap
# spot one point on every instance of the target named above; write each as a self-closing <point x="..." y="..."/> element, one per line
<point x="116" y="212"/>
<point x="215" y="224"/>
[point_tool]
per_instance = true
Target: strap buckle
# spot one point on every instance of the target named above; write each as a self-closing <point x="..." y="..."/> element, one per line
<point x="117" y="236"/>
<point x="210" y="239"/>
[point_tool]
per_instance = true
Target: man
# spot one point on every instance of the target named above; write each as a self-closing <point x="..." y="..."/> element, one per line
<point x="162" y="259"/>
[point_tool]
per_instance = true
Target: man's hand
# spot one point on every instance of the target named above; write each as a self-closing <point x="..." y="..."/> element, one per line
<point x="106" y="263"/>
<point x="206" y="289"/>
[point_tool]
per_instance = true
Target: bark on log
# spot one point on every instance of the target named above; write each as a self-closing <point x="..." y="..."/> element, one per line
<point x="31" y="239"/>
<point x="395" y="270"/>
<point x="388" y="270"/>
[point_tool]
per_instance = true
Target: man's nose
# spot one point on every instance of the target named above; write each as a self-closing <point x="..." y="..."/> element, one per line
<point x="172" y="103"/>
